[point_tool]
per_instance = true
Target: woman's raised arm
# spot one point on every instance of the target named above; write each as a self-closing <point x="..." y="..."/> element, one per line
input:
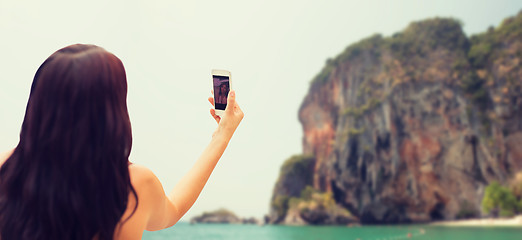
<point x="164" y="211"/>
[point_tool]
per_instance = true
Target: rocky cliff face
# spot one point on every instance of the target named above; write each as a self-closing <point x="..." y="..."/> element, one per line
<point x="411" y="128"/>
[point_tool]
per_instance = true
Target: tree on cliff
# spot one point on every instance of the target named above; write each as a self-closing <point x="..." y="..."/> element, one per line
<point x="500" y="201"/>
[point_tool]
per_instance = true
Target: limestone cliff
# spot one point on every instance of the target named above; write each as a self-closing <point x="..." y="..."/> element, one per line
<point x="412" y="127"/>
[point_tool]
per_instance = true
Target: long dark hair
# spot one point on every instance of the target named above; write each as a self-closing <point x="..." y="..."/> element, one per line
<point x="68" y="177"/>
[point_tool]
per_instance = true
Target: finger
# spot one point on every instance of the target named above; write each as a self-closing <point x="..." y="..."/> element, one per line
<point x="216" y="117"/>
<point x="211" y="100"/>
<point x="231" y="100"/>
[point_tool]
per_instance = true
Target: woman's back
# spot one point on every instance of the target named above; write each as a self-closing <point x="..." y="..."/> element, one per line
<point x="147" y="187"/>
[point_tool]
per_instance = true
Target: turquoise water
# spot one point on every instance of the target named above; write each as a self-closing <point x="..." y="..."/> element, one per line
<point x="253" y="232"/>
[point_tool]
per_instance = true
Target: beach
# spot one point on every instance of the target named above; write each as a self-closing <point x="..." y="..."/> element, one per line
<point x="515" y="221"/>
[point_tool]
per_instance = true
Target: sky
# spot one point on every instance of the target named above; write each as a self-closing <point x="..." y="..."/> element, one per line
<point x="273" y="49"/>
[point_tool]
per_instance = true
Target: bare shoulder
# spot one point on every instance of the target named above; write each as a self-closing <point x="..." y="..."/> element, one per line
<point x="142" y="176"/>
<point x="152" y="199"/>
<point x="145" y="182"/>
<point x="5" y="155"/>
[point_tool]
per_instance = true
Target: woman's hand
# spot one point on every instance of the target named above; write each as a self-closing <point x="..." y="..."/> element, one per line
<point x="232" y="117"/>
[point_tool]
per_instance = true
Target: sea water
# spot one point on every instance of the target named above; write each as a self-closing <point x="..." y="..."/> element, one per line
<point x="187" y="231"/>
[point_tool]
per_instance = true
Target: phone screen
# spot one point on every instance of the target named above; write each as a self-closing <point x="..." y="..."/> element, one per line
<point x="221" y="89"/>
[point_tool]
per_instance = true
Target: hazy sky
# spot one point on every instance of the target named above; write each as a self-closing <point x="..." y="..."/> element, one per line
<point x="272" y="48"/>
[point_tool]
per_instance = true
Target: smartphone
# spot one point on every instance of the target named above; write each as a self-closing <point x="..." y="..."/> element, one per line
<point x="222" y="84"/>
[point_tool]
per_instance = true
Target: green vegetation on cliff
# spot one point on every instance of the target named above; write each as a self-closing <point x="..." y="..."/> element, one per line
<point x="311" y="196"/>
<point x="280" y="205"/>
<point x="369" y="45"/>
<point x="421" y="38"/>
<point x="308" y="204"/>
<point x="504" y="201"/>
<point x="500" y="201"/>
<point x="297" y="165"/>
<point x="295" y="174"/>
<point x="312" y="200"/>
<point x="315" y="207"/>
<point x="487" y="72"/>
<point x="360" y="111"/>
<point x="417" y="40"/>
<point x="482" y="51"/>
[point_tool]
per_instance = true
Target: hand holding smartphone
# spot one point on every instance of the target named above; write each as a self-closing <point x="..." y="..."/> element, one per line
<point x="222" y="84"/>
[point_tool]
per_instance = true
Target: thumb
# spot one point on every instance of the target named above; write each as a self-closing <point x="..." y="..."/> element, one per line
<point x="231" y="100"/>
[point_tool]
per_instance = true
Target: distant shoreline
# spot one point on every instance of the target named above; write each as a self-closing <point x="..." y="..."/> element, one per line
<point x="515" y="221"/>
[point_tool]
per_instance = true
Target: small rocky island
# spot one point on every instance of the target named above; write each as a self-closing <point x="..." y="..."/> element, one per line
<point x="222" y="216"/>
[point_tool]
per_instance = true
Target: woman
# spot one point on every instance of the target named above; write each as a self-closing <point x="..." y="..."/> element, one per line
<point x="223" y="93"/>
<point x="70" y="177"/>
